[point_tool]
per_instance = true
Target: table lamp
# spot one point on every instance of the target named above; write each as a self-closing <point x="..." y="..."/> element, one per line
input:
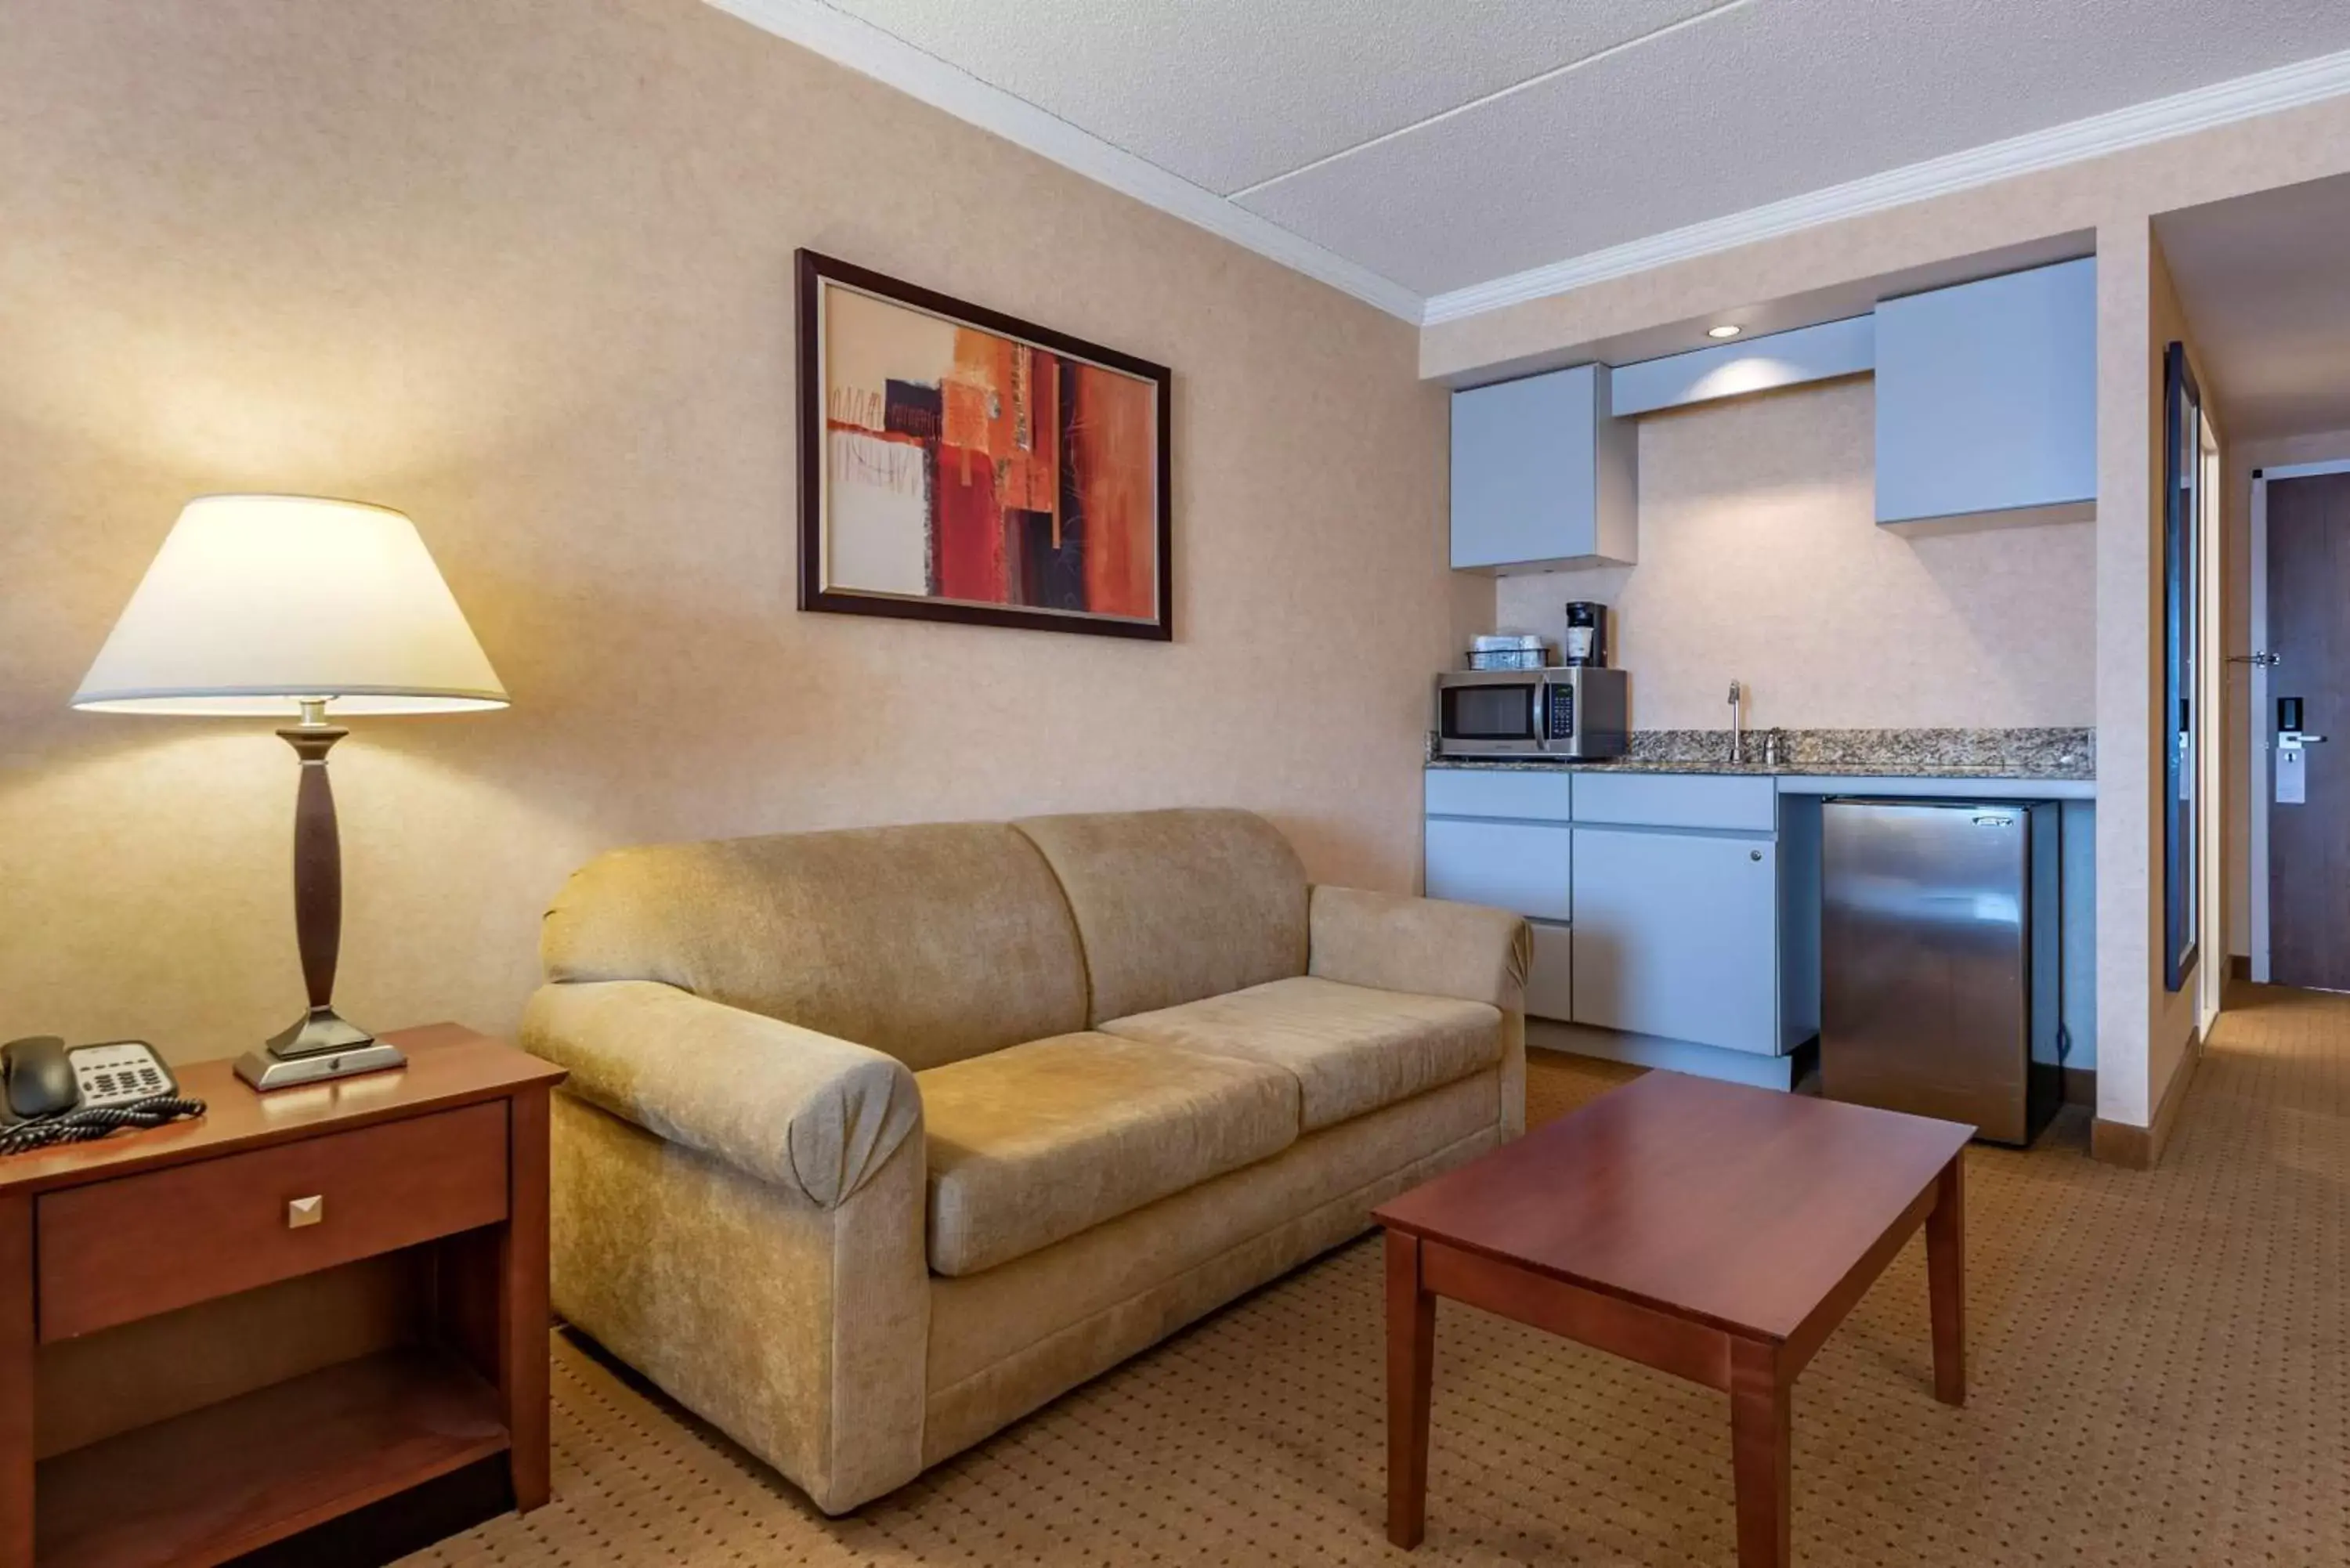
<point x="270" y="606"/>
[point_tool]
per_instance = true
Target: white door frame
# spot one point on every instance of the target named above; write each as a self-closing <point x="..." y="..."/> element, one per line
<point x="2264" y="717"/>
<point x="2211" y="749"/>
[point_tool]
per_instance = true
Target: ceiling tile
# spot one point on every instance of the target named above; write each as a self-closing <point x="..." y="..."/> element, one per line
<point x="1757" y="103"/>
<point x="1228" y="93"/>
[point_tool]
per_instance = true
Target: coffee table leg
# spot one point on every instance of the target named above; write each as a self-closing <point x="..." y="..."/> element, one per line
<point x="1411" y="1357"/>
<point x="1946" y="1276"/>
<point x="1763" y="1449"/>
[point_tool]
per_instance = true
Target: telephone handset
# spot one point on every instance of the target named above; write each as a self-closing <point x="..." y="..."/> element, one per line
<point x="51" y="1093"/>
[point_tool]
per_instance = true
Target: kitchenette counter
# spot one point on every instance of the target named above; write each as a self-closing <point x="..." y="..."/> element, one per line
<point x="2041" y="763"/>
<point x="1986" y="784"/>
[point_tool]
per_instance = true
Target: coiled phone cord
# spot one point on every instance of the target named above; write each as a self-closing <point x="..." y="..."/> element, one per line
<point x="95" y="1122"/>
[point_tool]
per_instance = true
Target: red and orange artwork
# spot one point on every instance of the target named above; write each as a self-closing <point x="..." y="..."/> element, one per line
<point x="966" y="466"/>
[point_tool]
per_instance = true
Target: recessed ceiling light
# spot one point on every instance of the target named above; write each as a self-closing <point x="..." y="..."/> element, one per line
<point x="1724" y="330"/>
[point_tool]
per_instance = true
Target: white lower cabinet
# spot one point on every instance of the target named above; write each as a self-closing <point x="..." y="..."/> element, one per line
<point x="1675" y="934"/>
<point x="1515" y="866"/>
<point x="1654" y="899"/>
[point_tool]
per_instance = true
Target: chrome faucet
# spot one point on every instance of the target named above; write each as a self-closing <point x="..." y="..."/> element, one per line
<point x="1737" y="725"/>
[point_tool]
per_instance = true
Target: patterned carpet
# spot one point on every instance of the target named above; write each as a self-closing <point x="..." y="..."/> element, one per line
<point x="2160" y="1377"/>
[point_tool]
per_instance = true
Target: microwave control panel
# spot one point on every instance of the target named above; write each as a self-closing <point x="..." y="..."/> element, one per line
<point x="1562" y="712"/>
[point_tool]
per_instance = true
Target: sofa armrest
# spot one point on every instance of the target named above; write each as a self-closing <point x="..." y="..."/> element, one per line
<point x="792" y="1107"/>
<point x="1396" y="942"/>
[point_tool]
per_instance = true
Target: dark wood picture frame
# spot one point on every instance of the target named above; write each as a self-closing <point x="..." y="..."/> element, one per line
<point x="813" y="272"/>
<point x="2183" y="733"/>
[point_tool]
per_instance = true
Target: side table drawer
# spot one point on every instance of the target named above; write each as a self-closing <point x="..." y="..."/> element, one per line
<point x="138" y="1245"/>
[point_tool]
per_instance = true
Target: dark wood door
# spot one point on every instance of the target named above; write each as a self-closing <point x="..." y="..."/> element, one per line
<point x="2308" y="630"/>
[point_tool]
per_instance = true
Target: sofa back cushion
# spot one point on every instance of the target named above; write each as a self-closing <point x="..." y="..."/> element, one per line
<point x="933" y="944"/>
<point x="1176" y="904"/>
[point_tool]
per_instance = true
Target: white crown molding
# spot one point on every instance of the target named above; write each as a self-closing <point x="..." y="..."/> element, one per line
<point x="865" y="48"/>
<point x="2200" y="109"/>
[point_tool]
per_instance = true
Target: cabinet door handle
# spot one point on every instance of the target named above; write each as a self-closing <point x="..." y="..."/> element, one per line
<point x="304" y="1212"/>
<point x="1754" y="854"/>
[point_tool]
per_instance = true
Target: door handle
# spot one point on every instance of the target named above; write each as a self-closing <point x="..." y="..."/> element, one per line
<point x="2291" y="736"/>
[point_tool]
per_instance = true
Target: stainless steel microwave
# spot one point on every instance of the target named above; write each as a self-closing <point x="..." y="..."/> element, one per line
<point x="1570" y="712"/>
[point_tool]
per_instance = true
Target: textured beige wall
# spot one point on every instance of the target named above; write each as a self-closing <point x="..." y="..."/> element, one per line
<point x="2127" y="915"/>
<point x="1760" y="561"/>
<point x="2138" y="315"/>
<point x="525" y="272"/>
<point x="2172" y="1020"/>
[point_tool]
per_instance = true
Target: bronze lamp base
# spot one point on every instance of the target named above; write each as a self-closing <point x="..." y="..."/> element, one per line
<point x="321" y="1043"/>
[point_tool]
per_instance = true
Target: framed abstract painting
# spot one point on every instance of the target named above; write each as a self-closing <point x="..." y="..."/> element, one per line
<point x="957" y="463"/>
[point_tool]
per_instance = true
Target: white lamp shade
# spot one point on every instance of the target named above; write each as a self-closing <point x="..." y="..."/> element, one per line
<point x="257" y="602"/>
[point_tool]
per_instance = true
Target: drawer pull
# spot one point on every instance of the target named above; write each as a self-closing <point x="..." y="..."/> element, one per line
<point x="303" y="1213"/>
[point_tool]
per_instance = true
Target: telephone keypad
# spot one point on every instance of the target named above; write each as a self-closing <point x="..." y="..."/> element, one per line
<point x="119" y="1074"/>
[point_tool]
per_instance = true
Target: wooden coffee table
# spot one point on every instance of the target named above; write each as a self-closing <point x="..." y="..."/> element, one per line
<point x="1713" y="1231"/>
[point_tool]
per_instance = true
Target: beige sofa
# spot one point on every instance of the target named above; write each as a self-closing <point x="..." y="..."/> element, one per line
<point x="876" y="1140"/>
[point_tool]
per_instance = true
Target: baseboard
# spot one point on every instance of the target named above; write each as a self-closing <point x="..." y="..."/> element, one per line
<point x="2081" y="1087"/>
<point x="2140" y="1149"/>
<point x="2240" y="966"/>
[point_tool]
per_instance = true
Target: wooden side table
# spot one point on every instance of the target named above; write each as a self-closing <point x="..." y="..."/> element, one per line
<point x="221" y="1332"/>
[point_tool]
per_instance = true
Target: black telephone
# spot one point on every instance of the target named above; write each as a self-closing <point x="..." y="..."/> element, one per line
<point x="51" y="1094"/>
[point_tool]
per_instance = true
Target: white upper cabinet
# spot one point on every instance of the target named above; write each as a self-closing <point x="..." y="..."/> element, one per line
<point x="1542" y="473"/>
<point x="1987" y="401"/>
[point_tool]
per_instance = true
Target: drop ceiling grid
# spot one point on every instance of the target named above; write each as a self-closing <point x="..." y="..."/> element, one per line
<point x="1758" y="104"/>
<point x="1230" y="94"/>
<point x="1421" y="149"/>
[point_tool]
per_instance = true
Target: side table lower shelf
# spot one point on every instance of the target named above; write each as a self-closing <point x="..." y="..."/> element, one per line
<point x="220" y="1481"/>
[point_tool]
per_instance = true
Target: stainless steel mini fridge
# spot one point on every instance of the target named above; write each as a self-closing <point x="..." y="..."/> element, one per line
<point x="1940" y="974"/>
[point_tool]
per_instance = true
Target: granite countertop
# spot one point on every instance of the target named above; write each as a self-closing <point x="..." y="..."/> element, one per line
<point x="2030" y="753"/>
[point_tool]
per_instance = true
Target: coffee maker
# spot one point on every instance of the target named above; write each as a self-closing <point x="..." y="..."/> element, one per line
<point x="1586" y="635"/>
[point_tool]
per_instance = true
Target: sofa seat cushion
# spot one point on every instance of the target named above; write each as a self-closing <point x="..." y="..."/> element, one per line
<point x="1033" y="1144"/>
<point x="1352" y="1049"/>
